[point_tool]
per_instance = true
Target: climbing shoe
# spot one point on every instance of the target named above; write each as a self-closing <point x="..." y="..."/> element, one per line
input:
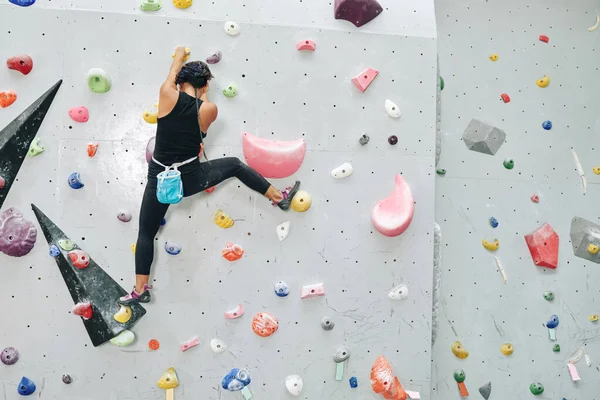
<point x="135" y="297"/>
<point x="288" y="194"/>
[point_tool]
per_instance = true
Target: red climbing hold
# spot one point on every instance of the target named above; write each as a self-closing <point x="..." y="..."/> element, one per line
<point x="543" y="246"/>
<point x="544" y="38"/>
<point x="210" y="189"/>
<point x="7" y="98"/>
<point x="84" y="310"/>
<point x="359" y="12"/>
<point x="308" y="45"/>
<point x="92" y="148"/>
<point x="505" y="98"/>
<point x="535" y="198"/>
<point x="364" y="79"/>
<point x="22" y="63"/>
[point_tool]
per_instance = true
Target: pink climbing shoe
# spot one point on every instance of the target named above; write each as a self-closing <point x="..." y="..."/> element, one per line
<point x="288" y="194"/>
<point x="135" y="297"/>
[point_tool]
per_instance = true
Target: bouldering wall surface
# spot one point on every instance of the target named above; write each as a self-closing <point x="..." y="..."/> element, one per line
<point x="283" y="95"/>
<point x="477" y="308"/>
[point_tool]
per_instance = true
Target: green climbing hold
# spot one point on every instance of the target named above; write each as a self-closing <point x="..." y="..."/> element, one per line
<point x="556" y="348"/>
<point x="536" y="388"/>
<point x="459" y="375"/>
<point x="509" y="163"/>
<point x="231" y="90"/>
<point x="548" y="295"/>
<point x="98" y="80"/>
<point x="151" y="5"/>
<point x="441" y="83"/>
<point x="35" y="148"/>
<point x="440" y="171"/>
<point x="66" y="244"/>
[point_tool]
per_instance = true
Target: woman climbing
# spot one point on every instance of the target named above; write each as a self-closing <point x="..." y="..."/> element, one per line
<point x="184" y="116"/>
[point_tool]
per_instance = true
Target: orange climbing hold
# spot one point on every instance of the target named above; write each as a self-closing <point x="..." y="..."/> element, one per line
<point x="154" y="344"/>
<point x="7" y="98"/>
<point x="232" y="252"/>
<point x="92" y="148"/>
<point x="264" y="324"/>
<point x="383" y="381"/>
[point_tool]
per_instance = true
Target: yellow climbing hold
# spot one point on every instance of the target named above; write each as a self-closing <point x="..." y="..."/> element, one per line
<point x="169" y="379"/>
<point x="593" y="318"/>
<point x="596" y="170"/>
<point x="592" y="248"/>
<point x="494" y="57"/>
<point x="459" y="351"/>
<point x="182" y="4"/>
<point x="492" y="246"/>
<point x="151" y="117"/>
<point x="188" y="51"/>
<point x="123" y="315"/>
<point x="301" y="201"/>
<point x="545" y="81"/>
<point x="507" y="349"/>
<point x="133" y="248"/>
<point x="223" y="220"/>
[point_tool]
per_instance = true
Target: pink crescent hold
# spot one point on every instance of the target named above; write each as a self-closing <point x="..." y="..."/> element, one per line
<point x="235" y="313"/>
<point x="306" y="45"/>
<point x="392" y="215"/>
<point x="273" y="158"/>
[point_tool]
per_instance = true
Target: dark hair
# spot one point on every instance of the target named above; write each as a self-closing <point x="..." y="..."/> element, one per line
<point x="196" y="73"/>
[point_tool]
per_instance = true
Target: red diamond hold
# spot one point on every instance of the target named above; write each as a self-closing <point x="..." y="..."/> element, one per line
<point x="543" y="246"/>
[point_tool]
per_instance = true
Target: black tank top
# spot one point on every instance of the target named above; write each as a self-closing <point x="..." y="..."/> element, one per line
<point x="178" y="133"/>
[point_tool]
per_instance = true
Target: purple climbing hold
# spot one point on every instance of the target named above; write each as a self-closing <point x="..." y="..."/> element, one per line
<point x="359" y="12"/>
<point x="9" y="356"/>
<point x="17" y="235"/>
<point x="393" y="140"/>
<point x="214" y="58"/>
<point x="124" y="216"/>
<point x="150" y="148"/>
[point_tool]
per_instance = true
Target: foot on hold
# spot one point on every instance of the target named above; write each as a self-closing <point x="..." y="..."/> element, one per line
<point x="135" y="297"/>
<point x="288" y="194"/>
<point x="359" y="12"/>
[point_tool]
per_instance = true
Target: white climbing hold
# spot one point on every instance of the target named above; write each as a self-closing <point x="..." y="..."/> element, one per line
<point x="595" y="26"/>
<point x="342" y="171"/>
<point x="400" y="292"/>
<point x="392" y="109"/>
<point x="283" y="230"/>
<point x="294" y="384"/>
<point x="123" y="339"/>
<point x="584" y="180"/>
<point x="232" y="28"/>
<point x="576" y="357"/>
<point x="218" y="346"/>
<point x="501" y="269"/>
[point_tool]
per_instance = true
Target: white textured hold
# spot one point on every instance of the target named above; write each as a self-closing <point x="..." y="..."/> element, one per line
<point x="283" y="230"/>
<point x="294" y="384"/>
<point x="343" y="171"/>
<point x="218" y="346"/>
<point x="232" y="28"/>
<point x="595" y="26"/>
<point x="400" y="292"/>
<point x="392" y="109"/>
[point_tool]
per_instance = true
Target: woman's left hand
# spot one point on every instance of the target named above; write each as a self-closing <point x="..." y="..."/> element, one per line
<point x="201" y="150"/>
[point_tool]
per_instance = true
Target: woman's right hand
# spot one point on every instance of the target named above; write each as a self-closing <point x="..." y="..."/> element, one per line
<point x="180" y="52"/>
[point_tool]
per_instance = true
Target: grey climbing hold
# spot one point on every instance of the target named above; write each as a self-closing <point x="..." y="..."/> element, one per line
<point x="486" y="390"/>
<point x="483" y="138"/>
<point x="9" y="356"/>
<point x="327" y="324"/>
<point x="66" y="378"/>
<point x="585" y="234"/>
<point x="341" y="355"/>
<point x="364" y="139"/>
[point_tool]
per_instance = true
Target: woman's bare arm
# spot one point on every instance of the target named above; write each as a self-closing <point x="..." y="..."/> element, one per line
<point x="168" y="90"/>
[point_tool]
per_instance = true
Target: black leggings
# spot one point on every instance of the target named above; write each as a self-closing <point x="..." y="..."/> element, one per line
<point x="196" y="177"/>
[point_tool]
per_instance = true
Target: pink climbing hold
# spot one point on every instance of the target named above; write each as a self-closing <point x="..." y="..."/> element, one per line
<point x="189" y="344"/>
<point x="79" y="114"/>
<point x="543" y="246"/>
<point x="84" y="310"/>
<point x="535" y="198"/>
<point x="273" y="158"/>
<point x="359" y="12"/>
<point x="22" y="63"/>
<point x="310" y="291"/>
<point x="2" y="182"/>
<point x="79" y="258"/>
<point x="150" y="148"/>
<point x="364" y="79"/>
<point x="235" y="313"/>
<point x="392" y="215"/>
<point x="307" y="45"/>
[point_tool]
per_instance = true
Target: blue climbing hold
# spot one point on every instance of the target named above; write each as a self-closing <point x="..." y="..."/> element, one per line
<point x="547" y="125"/>
<point x="282" y="289"/>
<point x="353" y="382"/>
<point x="493" y="222"/>
<point x="163" y="222"/>
<point x="26" y="387"/>
<point x="75" y="181"/>
<point x="54" y="251"/>
<point x="552" y="322"/>
<point x="236" y="380"/>
<point x="22" y="3"/>
<point x="172" y="248"/>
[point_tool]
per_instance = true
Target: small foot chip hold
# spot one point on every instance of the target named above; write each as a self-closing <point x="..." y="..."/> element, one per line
<point x="536" y="388"/>
<point x="543" y="246"/>
<point x="547" y="125"/>
<point x="230" y="91"/>
<point x="172" y="248"/>
<point x="214" y="58"/>
<point x="544" y="38"/>
<point x="281" y="289"/>
<point x="294" y="385"/>
<point x="232" y="28"/>
<point x="223" y="220"/>
<point x="353" y="382"/>
<point x="182" y="4"/>
<point x="327" y="324"/>
<point x="549" y="295"/>
<point x="494" y="57"/>
<point x="440" y="171"/>
<point x="572" y="371"/>
<point x="123" y="339"/>
<point x="217" y="346"/>
<point x="75" y="181"/>
<point x="79" y="114"/>
<point x="364" y="139"/>
<point x="79" y="258"/>
<point x="26" y="387"/>
<point x="442" y="83"/>
<point x="311" y="291"/>
<point x="66" y="378"/>
<point x="584" y="181"/>
<point x="491" y="246"/>
<point x="98" y="80"/>
<point x="459" y="377"/>
<point x="92" y="148"/>
<point x="7" y="98"/>
<point x="22" y="63"/>
<point x="185" y="346"/>
<point x="84" y="310"/>
<point x="393" y="140"/>
<point x="364" y="79"/>
<point x="306" y="45"/>
<point x="507" y="349"/>
<point x="236" y="380"/>
<point x="358" y="12"/>
<point x="509" y="163"/>
<point x="168" y="380"/>
<point x="150" y="5"/>
<point x="459" y="351"/>
<point x="283" y="230"/>
<point x="343" y="171"/>
<point x="232" y="252"/>
<point x="595" y="26"/>
<point x="552" y="322"/>
<point x="501" y="269"/>
<point x="153" y="344"/>
<point x="36" y="148"/>
<point x="505" y="97"/>
<point x="9" y="356"/>
<point x="593" y="318"/>
<point x="392" y="109"/>
<point x="486" y="390"/>
<point x="556" y="348"/>
<point x="543" y="82"/>
<point x="123" y="315"/>
<point x="124" y="216"/>
<point x="552" y="334"/>
<point x="301" y="202"/>
<point x="535" y="198"/>
<point x="493" y="222"/>
<point x="400" y="292"/>
<point x="235" y="313"/>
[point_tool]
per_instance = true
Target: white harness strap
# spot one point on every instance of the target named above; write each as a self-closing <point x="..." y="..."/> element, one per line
<point x="176" y="165"/>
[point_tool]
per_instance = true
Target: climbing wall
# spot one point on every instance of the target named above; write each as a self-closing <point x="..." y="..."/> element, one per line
<point x="476" y="307"/>
<point x="283" y="95"/>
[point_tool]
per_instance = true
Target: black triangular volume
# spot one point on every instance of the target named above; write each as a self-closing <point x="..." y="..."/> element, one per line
<point x="17" y="136"/>
<point x="91" y="284"/>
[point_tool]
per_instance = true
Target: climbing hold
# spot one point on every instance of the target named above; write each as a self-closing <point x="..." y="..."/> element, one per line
<point x="573" y="372"/>
<point x="547" y="125"/>
<point x="7" y="98"/>
<point x="364" y="139"/>
<point x="392" y="215"/>
<point x="218" y="346"/>
<point x="536" y="388"/>
<point x="150" y="148"/>
<point x="79" y="258"/>
<point x="168" y="380"/>
<point x="492" y="246"/>
<point x="163" y="222"/>
<point x="552" y="322"/>
<point x="172" y="248"/>
<point x="185" y="346"/>
<point x="223" y="220"/>
<point x="364" y="79"/>
<point x="123" y="339"/>
<point x="584" y="234"/>
<point x="341" y="354"/>
<point x="151" y="117"/>
<point x="556" y="348"/>
<point x="459" y="375"/>
<point x="75" y="181"/>
<point x="17" y="235"/>
<point x="236" y="380"/>
<point x="494" y="57"/>
<point x="35" y="148"/>
<point x="232" y="252"/>
<point x="543" y="246"/>
<point x="153" y="344"/>
<point x="123" y="315"/>
<point x="359" y="12"/>
<point x="459" y="351"/>
<point x="440" y="171"/>
<point x="210" y="189"/>
<point x="544" y="38"/>
<point x="188" y="51"/>
<point x="507" y="349"/>
<point x="393" y="140"/>
<point x="283" y="230"/>
<point x="493" y="222"/>
<point x="54" y="251"/>
<point x="264" y="324"/>
<point x="442" y="84"/>
<point x="505" y="98"/>
<point x="84" y="310"/>
<point x="384" y="382"/>
<point x="592" y="248"/>
<point x="535" y="198"/>
<point x="311" y="291"/>
<point x="92" y="148"/>
<point x="231" y="90"/>
<point x="593" y="318"/>
<point x="327" y="324"/>
<point x="26" y="386"/>
<point x="273" y="158"/>
<point x="98" y="80"/>
<point x="486" y="390"/>
<point x="400" y="292"/>
<point x="595" y="26"/>
<point x="66" y="378"/>
<point x="294" y="384"/>
<point x="79" y="114"/>
<point x="548" y="295"/>
<point x="509" y="163"/>
<point x="281" y="289"/>
<point x="66" y="244"/>
<point x="543" y="82"/>
<point x="483" y="138"/>
<point x="353" y="382"/>
<point x="151" y="5"/>
<point x="306" y="45"/>
<point x="596" y="171"/>
<point x="342" y="171"/>
<point x="2" y="182"/>
<point x="392" y="109"/>
<point x="22" y="3"/>
<point x="214" y="58"/>
<point x="9" y="356"/>
<point x="301" y="201"/>
<point x="124" y="216"/>
<point x="235" y="313"/>
<point x="22" y="63"/>
<point x="182" y="3"/>
<point x="232" y="28"/>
